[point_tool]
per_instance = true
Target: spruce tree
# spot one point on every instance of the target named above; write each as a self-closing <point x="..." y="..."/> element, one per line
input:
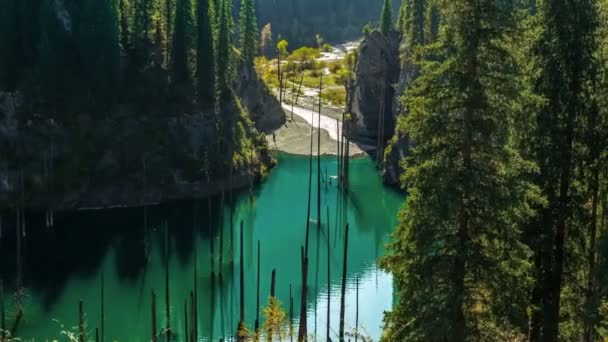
<point x="224" y="53"/>
<point x="144" y="24"/>
<point x="248" y="31"/>
<point x="386" y="18"/>
<point x="565" y="53"/>
<point x="205" y="65"/>
<point x="10" y="51"/>
<point x="400" y="24"/>
<point x="183" y="44"/>
<point x="461" y="271"/>
<point x="99" y="47"/>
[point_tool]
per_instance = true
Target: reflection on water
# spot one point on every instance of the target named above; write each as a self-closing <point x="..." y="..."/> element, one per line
<point x="65" y="264"/>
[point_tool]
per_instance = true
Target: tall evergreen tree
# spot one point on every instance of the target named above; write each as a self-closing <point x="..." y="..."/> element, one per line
<point x="56" y="70"/>
<point x="10" y="51"/>
<point x="144" y="23"/>
<point x="401" y="21"/>
<point x="386" y="18"/>
<point x="224" y="49"/>
<point x="183" y="43"/>
<point x="565" y="50"/>
<point x="99" y="47"/>
<point x="248" y="26"/>
<point x="461" y="270"/>
<point x="125" y="11"/>
<point x="205" y="65"/>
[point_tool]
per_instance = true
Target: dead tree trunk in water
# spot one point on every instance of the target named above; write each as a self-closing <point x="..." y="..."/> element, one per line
<point x="186" y="320"/>
<point x="153" y="308"/>
<point x="312" y="128"/>
<point x="193" y="322"/>
<point x="81" y="336"/>
<point x="257" y="304"/>
<point x="343" y="293"/>
<point x="167" y="302"/>
<point x="2" y="312"/>
<point x="290" y="314"/>
<point x="328" y="276"/>
<point x="302" y="332"/>
<point x="357" y="311"/>
<point x="319" y="158"/>
<point x="242" y="280"/>
<point x="103" y="313"/>
<point x="273" y="279"/>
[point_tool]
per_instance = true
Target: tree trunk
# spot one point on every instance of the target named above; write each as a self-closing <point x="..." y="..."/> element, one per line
<point x="343" y="291"/>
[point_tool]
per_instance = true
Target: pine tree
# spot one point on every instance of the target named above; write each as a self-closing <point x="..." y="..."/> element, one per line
<point x="205" y="69"/>
<point x="99" y="47"/>
<point x="183" y="44"/>
<point x="248" y="31"/>
<point x="56" y="70"/>
<point x="10" y="51"/>
<point x="386" y="18"/>
<point x="565" y="53"/>
<point x="224" y="49"/>
<point x="144" y="24"/>
<point x="461" y="271"/>
<point x="400" y="24"/>
<point x="125" y="11"/>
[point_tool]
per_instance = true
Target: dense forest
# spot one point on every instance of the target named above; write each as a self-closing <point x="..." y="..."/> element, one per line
<point x="141" y="53"/>
<point x="299" y="21"/>
<point x="504" y="236"/>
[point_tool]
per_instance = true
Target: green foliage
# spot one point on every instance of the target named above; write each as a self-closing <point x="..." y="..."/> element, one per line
<point x="248" y="31"/>
<point x="205" y="69"/>
<point x="99" y="48"/>
<point x="386" y="18"/>
<point x="462" y="271"/>
<point x="282" y="48"/>
<point x="224" y="49"/>
<point x="145" y="17"/>
<point x="182" y="53"/>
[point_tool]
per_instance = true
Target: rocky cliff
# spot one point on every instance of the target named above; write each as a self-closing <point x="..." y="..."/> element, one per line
<point x="373" y="87"/>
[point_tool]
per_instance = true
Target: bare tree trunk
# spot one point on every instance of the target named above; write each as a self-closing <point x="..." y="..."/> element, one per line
<point x="328" y="276"/>
<point x="242" y="288"/>
<point x="167" y="301"/>
<point x="343" y="293"/>
<point x="357" y="311"/>
<point x="81" y="336"/>
<point x="103" y="313"/>
<point x="302" y="333"/>
<point x="186" y="320"/>
<point x="257" y="303"/>
<point x="153" y="309"/>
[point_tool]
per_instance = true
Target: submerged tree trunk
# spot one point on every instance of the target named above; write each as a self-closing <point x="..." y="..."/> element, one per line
<point x="153" y="309"/>
<point x="343" y="291"/>
<point x="302" y="332"/>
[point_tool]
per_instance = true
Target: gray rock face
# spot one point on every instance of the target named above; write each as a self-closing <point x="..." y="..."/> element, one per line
<point x="377" y="73"/>
<point x="264" y="109"/>
<point x="399" y="144"/>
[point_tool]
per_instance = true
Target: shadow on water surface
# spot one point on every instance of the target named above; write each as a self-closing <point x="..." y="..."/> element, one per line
<point x="64" y="264"/>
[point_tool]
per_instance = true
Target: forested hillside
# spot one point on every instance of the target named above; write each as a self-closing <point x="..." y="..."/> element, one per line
<point x="81" y="78"/>
<point x="299" y="21"/>
<point x="504" y="234"/>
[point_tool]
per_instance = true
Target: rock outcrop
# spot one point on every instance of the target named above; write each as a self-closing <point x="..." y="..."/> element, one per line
<point x="264" y="109"/>
<point x="376" y="74"/>
<point x="399" y="145"/>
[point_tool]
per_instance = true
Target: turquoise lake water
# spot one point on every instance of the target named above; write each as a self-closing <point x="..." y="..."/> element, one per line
<point x="65" y="264"/>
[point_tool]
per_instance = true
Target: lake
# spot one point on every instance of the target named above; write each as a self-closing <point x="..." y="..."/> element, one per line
<point x="125" y="247"/>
